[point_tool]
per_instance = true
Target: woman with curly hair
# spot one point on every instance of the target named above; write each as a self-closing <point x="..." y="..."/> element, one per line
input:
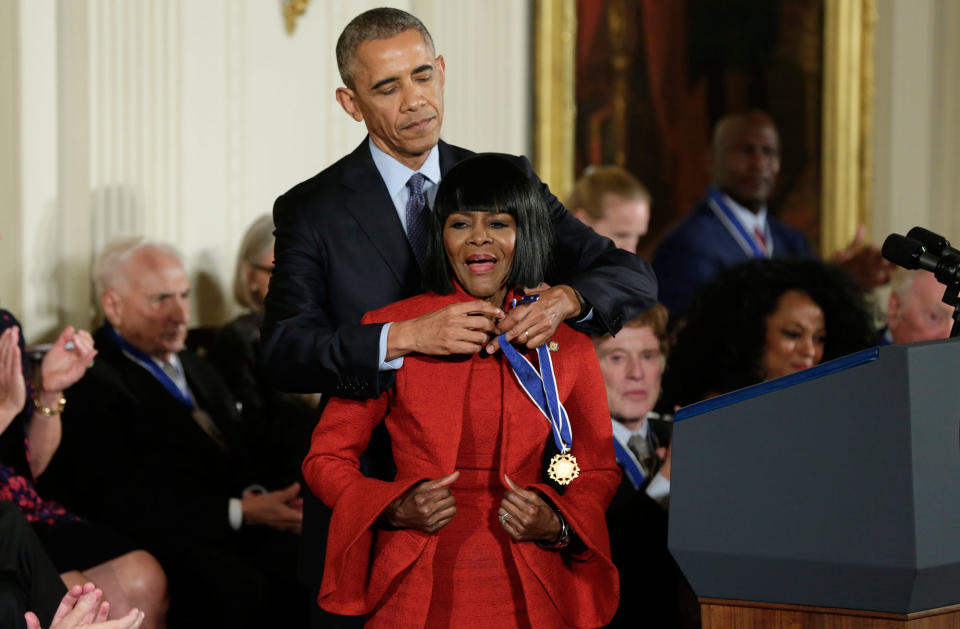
<point x="762" y="320"/>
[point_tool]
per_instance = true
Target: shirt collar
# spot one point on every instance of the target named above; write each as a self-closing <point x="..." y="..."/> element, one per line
<point x="748" y="219"/>
<point x="395" y="175"/>
<point x="622" y="434"/>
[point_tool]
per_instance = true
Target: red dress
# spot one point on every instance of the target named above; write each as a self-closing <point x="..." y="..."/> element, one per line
<point x="468" y="414"/>
<point x="474" y="548"/>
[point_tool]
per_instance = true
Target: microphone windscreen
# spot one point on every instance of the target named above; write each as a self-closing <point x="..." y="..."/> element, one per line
<point x="902" y="251"/>
<point x="934" y="243"/>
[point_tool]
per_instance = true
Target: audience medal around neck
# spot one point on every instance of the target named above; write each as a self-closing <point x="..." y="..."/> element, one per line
<point x="542" y="389"/>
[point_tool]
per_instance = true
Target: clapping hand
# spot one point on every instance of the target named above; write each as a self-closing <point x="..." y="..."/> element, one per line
<point x="81" y="606"/>
<point x="61" y="367"/>
<point x="13" y="391"/>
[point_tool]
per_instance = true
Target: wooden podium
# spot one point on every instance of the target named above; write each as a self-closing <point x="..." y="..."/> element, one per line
<point x="827" y="498"/>
<point x="719" y="613"/>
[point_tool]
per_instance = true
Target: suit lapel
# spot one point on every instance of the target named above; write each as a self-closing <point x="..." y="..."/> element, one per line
<point x="371" y="206"/>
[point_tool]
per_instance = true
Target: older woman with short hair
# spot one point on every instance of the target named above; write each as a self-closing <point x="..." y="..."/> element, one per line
<point x="496" y="514"/>
<point x="278" y="425"/>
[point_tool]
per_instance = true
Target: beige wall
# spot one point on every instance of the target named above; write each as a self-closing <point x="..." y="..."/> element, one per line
<point x="917" y="120"/>
<point x="183" y="121"/>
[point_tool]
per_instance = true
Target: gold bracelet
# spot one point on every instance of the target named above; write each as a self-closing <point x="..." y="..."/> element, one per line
<point x="46" y="410"/>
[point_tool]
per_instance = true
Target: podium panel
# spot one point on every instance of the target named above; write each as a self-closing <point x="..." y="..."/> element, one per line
<point x="835" y="487"/>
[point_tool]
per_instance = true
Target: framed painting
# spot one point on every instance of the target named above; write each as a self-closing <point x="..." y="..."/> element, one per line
<point x="640" y="84"/>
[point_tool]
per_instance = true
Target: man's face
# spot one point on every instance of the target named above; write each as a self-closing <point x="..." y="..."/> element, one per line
<point x="746" y="162"/>
<point x="920" y="315"/>
<point x="149" y="306"/>
<point x="624" y="221"/>
<point x="632" y="365"/>
<point x="398" y="93"/>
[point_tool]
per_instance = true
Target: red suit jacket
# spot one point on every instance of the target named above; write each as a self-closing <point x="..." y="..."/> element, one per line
<point x="421" y="413"/>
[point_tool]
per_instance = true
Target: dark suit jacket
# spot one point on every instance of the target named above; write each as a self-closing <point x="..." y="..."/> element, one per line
<point x="699" y="247"/>
<point x="341" y="252"/>
<point x="133" y="456"/>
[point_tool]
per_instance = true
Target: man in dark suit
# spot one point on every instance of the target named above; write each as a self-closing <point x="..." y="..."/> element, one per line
<point x="349" y="240"/>
<point x="653" y="591"/>
<point x="153" y="446"/>
<point x="731" y="224"/>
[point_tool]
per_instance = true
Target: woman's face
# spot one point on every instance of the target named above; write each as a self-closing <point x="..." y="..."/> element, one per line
<point x="795" y="335"/>
<point x="479" y="248"/>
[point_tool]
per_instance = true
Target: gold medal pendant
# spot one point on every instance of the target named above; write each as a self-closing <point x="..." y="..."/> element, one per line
<point x="563" y="468"/>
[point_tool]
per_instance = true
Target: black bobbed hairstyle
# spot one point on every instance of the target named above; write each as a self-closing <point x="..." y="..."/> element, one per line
<point x="491" y="183"/>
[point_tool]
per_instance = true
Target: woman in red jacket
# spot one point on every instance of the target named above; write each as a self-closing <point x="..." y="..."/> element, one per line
<point x="496" y="514"/>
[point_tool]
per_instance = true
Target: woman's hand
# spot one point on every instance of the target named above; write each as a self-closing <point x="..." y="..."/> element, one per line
<point x="82" y="606"/>
<point x="13" y="390"/>
<point x="427" y="507"/>
<point x="61" y="367"/>
<point x="527" y="517"/>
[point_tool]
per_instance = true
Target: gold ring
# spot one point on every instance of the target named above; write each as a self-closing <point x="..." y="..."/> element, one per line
<point x="527" y="334"/>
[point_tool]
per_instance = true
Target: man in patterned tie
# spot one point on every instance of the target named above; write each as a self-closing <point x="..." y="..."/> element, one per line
<point x="349" y="241"/>
<point x="732" y="224"/>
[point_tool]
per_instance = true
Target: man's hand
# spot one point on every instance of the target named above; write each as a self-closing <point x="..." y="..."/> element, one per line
<point x="526" y="517"/>
<point x="427" y="507"/>
<point x="274" y="508"/>
<point x="864" y="262"/>
<point x="61" y="367"/>
<point x="535" y="323"/>
<point x="664" y="454"/>
<point x="462" y="328"/>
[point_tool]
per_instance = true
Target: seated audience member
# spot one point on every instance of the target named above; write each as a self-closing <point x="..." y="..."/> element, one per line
<point x="732" y="225"/>
<point x="28" y="578"/>
<point x="30" y="421"/>
<point x="653" y="591"/>
<point x="278" y="424"/>
<point x="915" y="310"/>
<point x="763" y="320"/>
<point x="82" y="606"/>
<point x="613" y="203"/>
<point x="632" y="363"/>
<point x="168" y="465"/>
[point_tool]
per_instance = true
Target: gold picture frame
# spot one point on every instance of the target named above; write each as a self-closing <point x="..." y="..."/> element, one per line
<point x="847" y="110"/>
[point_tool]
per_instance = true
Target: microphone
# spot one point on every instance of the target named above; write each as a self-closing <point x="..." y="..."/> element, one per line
<point x="908" y="253"/>
<point x="934" y="243"/>
<point x="923" y="249"/>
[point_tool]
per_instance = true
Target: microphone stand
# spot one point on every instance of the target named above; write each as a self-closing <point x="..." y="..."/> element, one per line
<point x="950" y="297"/>
<point x="948" y="273"/>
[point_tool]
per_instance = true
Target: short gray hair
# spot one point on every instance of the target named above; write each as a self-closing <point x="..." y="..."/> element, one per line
<point x="109" y="265"/>
<point x="382" y="23"/>
<point x="257" y="241"/>
<point x="901" y="282"/>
